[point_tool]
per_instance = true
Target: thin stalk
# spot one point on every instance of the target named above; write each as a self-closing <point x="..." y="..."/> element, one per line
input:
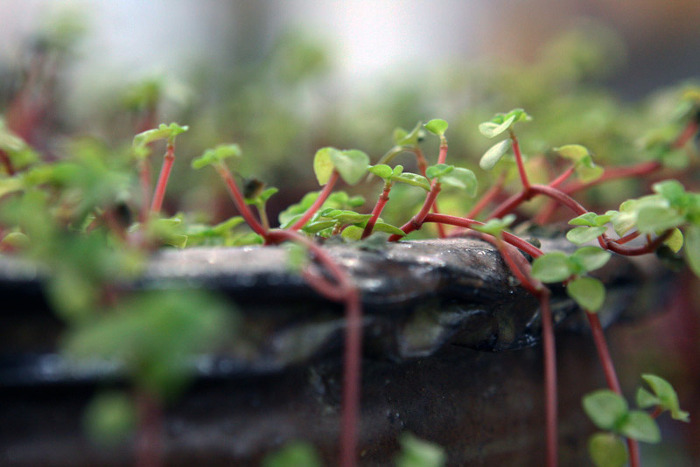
<point x="239" y="201"/>
<point x="162" y="183"/>
<point x="690" y="129"/>
<point x="637" y="170"/>
<point x="550" y="378"/>
<point x="377" y="211"/>
<point x="560" y="196"/>
<point x="610" y="375"/>
<point x="649" y="247"/>
<point x="519" y="160"/>
<point x="417" y="221"/>
<point x="422" y="167"/>
<point x="563" y="177"/>
<point x="262" y="214"/>
<point x="322" y="197"/>
<point x="470" y="223"/>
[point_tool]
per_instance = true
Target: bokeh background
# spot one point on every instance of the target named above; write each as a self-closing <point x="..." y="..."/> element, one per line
<point x="285" y="77"/>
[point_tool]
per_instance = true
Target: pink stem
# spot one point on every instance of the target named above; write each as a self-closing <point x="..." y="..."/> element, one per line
<point x="168" y="161"/>
<point x="417" y="221"/>
<point x="322" y="197"/>
<point x="519" y="161"/>
<point x="376" y="212"/>
<point x="550" y="378"/>
<point x="610" y="375"/>
<point x="239" y="201"/>
<point x="562" y="178"/>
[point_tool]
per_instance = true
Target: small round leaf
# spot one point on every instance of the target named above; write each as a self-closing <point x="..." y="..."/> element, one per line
<point x="436" y="126"/>
<point x="494" y="154"/>
<point x="607" y="450"/>
<point x="551" y="267"/>
<point x="605" y="408"/>
<point x="588" y="292"/>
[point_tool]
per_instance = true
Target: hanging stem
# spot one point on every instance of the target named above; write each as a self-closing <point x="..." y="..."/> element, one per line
<point x="322" y="197"/>
<point x="352" y="367"/>
<point x="610" y="375"/>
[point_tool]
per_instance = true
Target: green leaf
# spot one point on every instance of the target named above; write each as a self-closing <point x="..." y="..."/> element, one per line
<point x="416" y="452"/>
<point x="350" y="164"/>
<point x="675" y="241"/>
<point x="502" y="122"/>
<point x="388" y="228"/>
<point x="295" y="454"/>
<point x="381" y="171"/>
<point x="581" y="235"/>
<point x="403" y="138"/>
<point x="352" y="232"/>
<point x="164" y="131"/>
<point x="591" y="219"/>
<point x="692" y="248"/>
<point x="583" y="161"/>
<point x="412" y="179"/>
<point x="494" y="154"/>
<point x="461" y="178"/>
<point x="588" y="292"/>
<point x="323" y="164"/>
<point x="607" y="450"/>
<point x="640" y="426"/>
<point x="436" y="126"/>
<point x="110" y="418"/>
<point x="496" y="226"/>
<point x="438" y="170"/>
<point x="645" y="399"/>
<point x="605" y="408"/>
<point x="671" y="190"/>
<point x="344" y="216"/>
<point x="552" y="267"/>
<point x="665" y="396"/>
<point x="657" y="219"/>
<point x="591" y="257"/>
<point x="573" y="152"/>
<point x="217" y="155"/>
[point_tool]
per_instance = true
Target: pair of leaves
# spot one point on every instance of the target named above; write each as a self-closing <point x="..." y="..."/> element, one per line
<point x="582" y="158"/>
<point x="499" y="124"/>
<point x="217" y="155"/>
<point x="336" y="200"/>
<point x="143" y="139"/>
<point x="557" y="266"/>
<point x="589" y="227"/>
<point x="662" y="395"/>
<point x="351" y="164"/>
<point x="609" y="411"/>
<point x="457" y="177"/>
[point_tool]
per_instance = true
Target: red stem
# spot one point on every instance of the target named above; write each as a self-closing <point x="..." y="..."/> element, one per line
<point x="627" y="238"/>
<point x="239" y="201"/>
<point x="550" y="378"/>
<point x="159" y="194"/>
<point x="690" y="129"/>
<point x="637" y="170"/>
<point x="417" y="221"/>
<point x="610" y="375"/>
<point x="562" y="178"/>
<point x="322" y="197"/>
<point x="519" y="161"/>
<point x="422" y="167"/>
<point x="650" y="247"/>
<point x="376" y="212"/>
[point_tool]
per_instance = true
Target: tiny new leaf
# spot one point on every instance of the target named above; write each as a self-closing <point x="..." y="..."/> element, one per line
<point x="494" y="154"/>
<point x="436" y="126"/>
<point x="664" y="397"/>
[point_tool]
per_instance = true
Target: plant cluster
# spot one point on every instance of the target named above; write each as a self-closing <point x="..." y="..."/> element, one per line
<point x="93" y="216"/>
